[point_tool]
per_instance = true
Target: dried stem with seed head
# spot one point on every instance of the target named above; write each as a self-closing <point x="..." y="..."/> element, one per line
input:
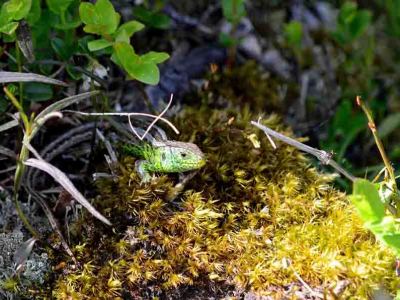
<point x="322" y="156"/>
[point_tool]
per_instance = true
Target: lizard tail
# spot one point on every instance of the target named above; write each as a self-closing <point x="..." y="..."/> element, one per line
<point x="133" y="150"/>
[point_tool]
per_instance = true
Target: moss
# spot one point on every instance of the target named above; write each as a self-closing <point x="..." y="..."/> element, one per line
<point x="247" y="84"/>
<point x="251" y="219"/>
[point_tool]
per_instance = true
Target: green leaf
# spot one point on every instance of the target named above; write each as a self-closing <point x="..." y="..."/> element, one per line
<point x="10" y="38"/>
<point x="99" y="18"/>
<point x="154" y="57"/>
<point x="106" y="12"/>
<point x="352" y="23"/>
<point x="15" y="10"/>
<point x="294" y="33"/>
<point x="226" y="40"/>
<point x="347" y="12"/>
<point x="372" y="211"/>
<point x="74" y="74"/>
<point x="41" y="33"/>
<point x="83" y="43"/>
<point x="36" y="92"/>
<point x="146" y="72"/>
<point x="388" y="232"/>
<point x="59" y="6"/>
<point x="233" y="10"/>
<point x="3" y="104"/>
<point x="63" y="50"/>
<point x="34" y="13"/>
<point x="126" y="30"/>
<point x="360" y="23"/>
<point x="392" y="240"/>
<point x="9" y="28"/>
<point x="367" y="201"/>
<point x="99" y="44"/>
<point x="340" y="37"/>
<point x="152" y="19"/>
<point x="72" y="24"/>
<point x="386" y="227"/>
<point x="87" y="13"/>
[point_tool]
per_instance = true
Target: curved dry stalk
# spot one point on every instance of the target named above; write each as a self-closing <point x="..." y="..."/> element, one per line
<point x="169" y="123"/>
<point x="154" y="121"/>
<point x="64" y="181"/>
<point x="129" y="115"/>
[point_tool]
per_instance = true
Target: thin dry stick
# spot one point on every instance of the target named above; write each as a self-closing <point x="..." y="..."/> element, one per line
<point x="123" y="115"/>
<point x="154" y="121"/>
<point x="323" y="156"/>
<point x="129" y="115"/>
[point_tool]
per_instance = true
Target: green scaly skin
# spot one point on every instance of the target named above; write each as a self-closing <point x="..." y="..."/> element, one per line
<point x="165" y="157"/>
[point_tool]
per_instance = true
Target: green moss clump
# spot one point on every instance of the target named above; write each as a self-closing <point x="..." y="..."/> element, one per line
<point x="251" y="219"/>
<point x="247" y="84"/>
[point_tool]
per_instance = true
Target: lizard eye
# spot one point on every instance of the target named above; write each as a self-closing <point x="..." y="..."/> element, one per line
<point x="183" y="154"/>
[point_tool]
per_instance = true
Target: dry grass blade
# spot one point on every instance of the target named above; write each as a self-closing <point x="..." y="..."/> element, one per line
<point x="62" y="179"/>
<point x="8" y="125"/>
<point x="107" y="144"/>
<point x="40" y="121"/>
<point x="8" y="77"/>
<point x="22" y="253"/>
<point x="7" y="152"/>
<point x="53" y="222"/>
<point x="59" y="105"/>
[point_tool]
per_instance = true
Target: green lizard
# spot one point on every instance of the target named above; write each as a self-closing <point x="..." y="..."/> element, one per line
<point x="165" y="157"/>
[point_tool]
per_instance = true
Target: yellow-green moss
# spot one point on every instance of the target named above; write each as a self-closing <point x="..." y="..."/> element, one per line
<point x="251" y="219"/>
<point x="247" y="84"/>
<point x="242" y="217"/>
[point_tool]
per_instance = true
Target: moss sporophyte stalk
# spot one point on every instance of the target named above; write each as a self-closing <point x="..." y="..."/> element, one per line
<point x="246" y="213"/>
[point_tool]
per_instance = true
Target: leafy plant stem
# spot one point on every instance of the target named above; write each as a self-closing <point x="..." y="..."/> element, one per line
<point x="23" y="156"/>
<point x="19" y="107"/>
<point x="18" y="175"/>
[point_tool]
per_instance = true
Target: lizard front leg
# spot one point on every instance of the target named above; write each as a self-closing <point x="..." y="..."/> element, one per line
<point x="178" y="188"/>
<point x="140" y="167"/>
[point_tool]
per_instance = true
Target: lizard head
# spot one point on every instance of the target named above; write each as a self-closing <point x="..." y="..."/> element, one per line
<point x="187" y="156"/>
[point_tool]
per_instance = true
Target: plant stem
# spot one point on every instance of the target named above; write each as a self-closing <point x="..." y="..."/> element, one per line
<point x="23" y="156"/>
<point x="372" y="126"/>
<point x="19" y="107"/>
<point x="386" y="161"/>
<point x="63" y="19"/>
<point x="19" y="64"/>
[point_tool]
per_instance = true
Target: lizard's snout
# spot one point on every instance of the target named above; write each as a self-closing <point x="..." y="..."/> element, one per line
<point x="202" y="161"/>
